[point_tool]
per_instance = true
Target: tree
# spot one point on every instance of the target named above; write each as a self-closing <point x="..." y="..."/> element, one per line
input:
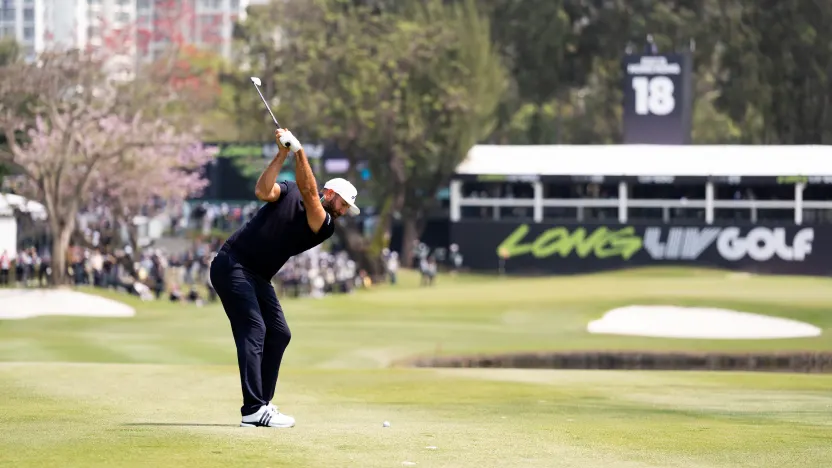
<point x="537" y="40"/>
<point x="9" y="51"/>
<point x="565" y="57"/>
<point x="70" y="132"/>
<point x="448" y="90"/>
<point x="776" y="68"/>
<point x="257" y="42"/>
<point x="168" y="171"/>
<point x="322" y="65"/>
<point x="405" y="90"/>
<point x="159" y="56"/>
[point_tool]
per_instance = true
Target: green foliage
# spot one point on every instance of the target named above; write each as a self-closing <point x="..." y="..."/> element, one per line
<point x="565" y="61"/>
<point x="449" y="99"/>
<point x="406" y="87"/>
<point x="9" y="51"/>
<point x="777" y="63"/>
<point x="406" y="90"/>
<point x="348" y="65"/>
<point x="710" y="126"/>
<point x="766" y="69"/>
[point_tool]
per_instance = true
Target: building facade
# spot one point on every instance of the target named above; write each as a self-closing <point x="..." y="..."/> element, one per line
<point x="142" y="29"/>
<point x="24" y="21"/>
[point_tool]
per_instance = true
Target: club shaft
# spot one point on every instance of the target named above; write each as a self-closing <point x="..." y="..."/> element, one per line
<point x="267" y="105"/>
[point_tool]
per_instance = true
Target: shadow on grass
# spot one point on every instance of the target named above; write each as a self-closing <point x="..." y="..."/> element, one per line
<point x="180" y="424"/>
<point x="799" y="361"/>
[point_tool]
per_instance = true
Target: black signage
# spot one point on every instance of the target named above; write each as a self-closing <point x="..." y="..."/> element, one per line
<point x="657" y="99"/>
<point x="580" y="248"/>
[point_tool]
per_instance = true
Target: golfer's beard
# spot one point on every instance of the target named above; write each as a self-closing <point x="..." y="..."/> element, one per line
<point x="329" y="209"/>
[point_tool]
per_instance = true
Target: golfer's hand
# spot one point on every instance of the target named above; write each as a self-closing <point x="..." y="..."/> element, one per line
<point x="282" y="151"/>
<point x="285" y="139"/>
<point x="277" y="134"/>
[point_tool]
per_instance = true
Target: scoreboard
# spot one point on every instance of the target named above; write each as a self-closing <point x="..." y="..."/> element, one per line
<point x="658" y="99"/>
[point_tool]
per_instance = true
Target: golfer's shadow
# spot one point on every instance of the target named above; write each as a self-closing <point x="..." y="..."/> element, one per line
<point x="180" y="424"/>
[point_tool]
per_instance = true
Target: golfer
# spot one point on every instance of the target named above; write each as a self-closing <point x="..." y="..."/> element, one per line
<point x="295" y="218"/>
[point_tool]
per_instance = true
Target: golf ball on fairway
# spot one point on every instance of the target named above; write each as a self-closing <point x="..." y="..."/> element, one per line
<point x="386" y="424"/>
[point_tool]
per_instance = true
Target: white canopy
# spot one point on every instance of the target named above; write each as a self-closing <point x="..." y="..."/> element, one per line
<point x="648" y="160"/>
<point x="9" y="202"/>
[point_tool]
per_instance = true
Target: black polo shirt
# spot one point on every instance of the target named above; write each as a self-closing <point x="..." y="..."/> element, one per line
<point x="279" y="230"/>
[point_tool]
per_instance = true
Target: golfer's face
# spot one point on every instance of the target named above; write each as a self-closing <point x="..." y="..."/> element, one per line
<point x="337" y="206"/>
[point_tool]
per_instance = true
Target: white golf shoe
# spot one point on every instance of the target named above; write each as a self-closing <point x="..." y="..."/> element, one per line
<point x="267" y="416"/>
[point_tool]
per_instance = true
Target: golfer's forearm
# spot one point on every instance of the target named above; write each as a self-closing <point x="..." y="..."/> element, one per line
<point x="307" y="184"/>
<point x="268" y="178"/>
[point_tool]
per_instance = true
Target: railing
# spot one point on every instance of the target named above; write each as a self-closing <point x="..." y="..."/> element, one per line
<point x="709" y="204"/>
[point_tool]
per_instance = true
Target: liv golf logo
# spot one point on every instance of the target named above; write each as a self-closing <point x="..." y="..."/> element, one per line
<point x="760" y="244"/>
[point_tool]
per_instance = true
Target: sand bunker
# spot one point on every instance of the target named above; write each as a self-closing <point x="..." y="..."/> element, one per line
<point x="694" y="322"/>
<point x="27" y="303"/>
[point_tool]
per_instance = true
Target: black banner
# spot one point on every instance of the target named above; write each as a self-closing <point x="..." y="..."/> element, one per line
<point x="546" y="248"/>
<point x="657" y="99"/>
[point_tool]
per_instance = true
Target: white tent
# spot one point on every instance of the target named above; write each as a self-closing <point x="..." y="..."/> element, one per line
<point x="10" y="202"/>
<point x="8" y="235"/>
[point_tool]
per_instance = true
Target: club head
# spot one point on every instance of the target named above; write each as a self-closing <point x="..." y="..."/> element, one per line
<point x="256" y="81"/>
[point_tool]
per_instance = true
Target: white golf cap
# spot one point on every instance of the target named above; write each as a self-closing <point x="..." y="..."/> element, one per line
<point x="346" y="190"/>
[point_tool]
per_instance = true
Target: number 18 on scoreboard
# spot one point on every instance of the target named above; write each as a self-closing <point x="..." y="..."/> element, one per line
<point x="658" y="99"/>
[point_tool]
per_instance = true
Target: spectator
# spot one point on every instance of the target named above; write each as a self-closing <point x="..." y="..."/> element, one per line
<point x="428" y="269"/>
<point x="392" y="265"/>
<point x="5" y="266"/>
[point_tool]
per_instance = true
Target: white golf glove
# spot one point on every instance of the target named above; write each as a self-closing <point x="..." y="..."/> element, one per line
<point x="288" y="140"/>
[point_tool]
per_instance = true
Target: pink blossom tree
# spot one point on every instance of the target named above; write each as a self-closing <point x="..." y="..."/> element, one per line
<point x="76" y="135"/>
<point x="170" y="170"/>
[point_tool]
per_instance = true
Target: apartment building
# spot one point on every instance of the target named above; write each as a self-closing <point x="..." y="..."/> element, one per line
<point x="204" y="23"/>
<point x="23" y="20"/>
<point x="141" y="28"/>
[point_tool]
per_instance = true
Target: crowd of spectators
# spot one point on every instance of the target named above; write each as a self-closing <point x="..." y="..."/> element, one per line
<point x="98" y="258"/>
<point x="154" y="274"/>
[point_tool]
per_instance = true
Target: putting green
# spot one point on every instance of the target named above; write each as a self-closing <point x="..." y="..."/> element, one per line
<point x="161" y="388"/>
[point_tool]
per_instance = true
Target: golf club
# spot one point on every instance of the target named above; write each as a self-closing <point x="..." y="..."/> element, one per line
<point x="257" y="84"/>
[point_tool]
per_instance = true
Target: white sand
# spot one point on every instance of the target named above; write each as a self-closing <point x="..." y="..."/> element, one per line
<point x="694" y="322"/>
<point x="27" y="303"/>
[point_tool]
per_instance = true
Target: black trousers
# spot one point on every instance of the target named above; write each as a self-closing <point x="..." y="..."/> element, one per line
<point x="259" y="327"/>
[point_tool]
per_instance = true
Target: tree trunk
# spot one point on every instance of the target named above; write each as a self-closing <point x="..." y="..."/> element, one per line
<point x="60" y="243"/>
<point x="411" y="230"/>
<point x="381" y="236"/>
<point x="132" y="233"/>
<point x="358" y="249"/>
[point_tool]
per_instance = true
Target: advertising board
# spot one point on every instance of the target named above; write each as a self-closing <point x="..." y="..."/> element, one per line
<point x="548" y="248"/>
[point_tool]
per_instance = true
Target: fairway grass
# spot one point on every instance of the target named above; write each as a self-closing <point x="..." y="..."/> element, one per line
<point x="161" y="388"/>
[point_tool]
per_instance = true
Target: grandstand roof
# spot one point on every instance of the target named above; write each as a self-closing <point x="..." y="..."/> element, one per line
<point x="648" y="160"/>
